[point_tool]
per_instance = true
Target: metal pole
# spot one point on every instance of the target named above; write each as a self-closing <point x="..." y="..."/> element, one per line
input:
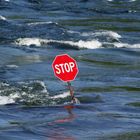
<point x="71" y="92"/>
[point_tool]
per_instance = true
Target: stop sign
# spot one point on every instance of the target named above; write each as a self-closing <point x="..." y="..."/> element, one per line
<point x="65" y="67"/>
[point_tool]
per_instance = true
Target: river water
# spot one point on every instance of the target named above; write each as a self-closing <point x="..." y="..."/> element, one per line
<point x="103" y="36"/>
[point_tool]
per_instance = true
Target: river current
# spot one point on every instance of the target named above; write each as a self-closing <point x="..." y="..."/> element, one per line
<point x="103" y="36"/>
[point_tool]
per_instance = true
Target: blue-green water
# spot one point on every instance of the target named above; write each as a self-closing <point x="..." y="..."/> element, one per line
<point x="104" y="38"/>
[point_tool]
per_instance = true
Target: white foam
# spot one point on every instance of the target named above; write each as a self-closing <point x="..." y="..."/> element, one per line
<point x="15" y="95"/>
<point x="40" y="23"/>
<point x="129" y="0"/>
<point x="132" y="0"/>
<point x="93" y="44"/>
<point x="132" y="11"/>
<point x="125" y="45"/>
<point x="63" y="95"/>
<point x="28" y="41"/>
<point x="110" y="34"/>
<point x="44" y="86"/>
<point x="6" y="100"/>
<point x="73" y="32"/>
<point x="2" y="17"/>
<point x="12" y="66"/>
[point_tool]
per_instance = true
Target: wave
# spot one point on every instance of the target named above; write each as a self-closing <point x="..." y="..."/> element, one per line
<point x="93" y="44"/>
<point x="12" y="66"/>
<point x="125" y="45"/>
<point x="35" y="93"/>
<point x="123" y="0"/>
<point x="30" y="93"/>
<point x="2" y="18"/>
<point x="40" y="23"/>
<point x="108" y="34"/>
<point x="6" y="100"/>
<point x="28" y="41"/>
<point x="63" y="95"/>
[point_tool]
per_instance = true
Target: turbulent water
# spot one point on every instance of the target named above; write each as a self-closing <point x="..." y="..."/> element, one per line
<point x="104" y="38"/>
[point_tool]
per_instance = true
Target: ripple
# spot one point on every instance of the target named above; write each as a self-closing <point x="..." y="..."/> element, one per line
<point x="134" y="104"/>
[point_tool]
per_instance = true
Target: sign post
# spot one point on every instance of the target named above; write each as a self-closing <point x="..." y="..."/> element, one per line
<point x="71" y="92"/>
<point x="65" y="68"/>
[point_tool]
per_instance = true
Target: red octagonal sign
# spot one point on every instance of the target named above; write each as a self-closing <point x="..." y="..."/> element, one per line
<point x="65" y="67"/>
